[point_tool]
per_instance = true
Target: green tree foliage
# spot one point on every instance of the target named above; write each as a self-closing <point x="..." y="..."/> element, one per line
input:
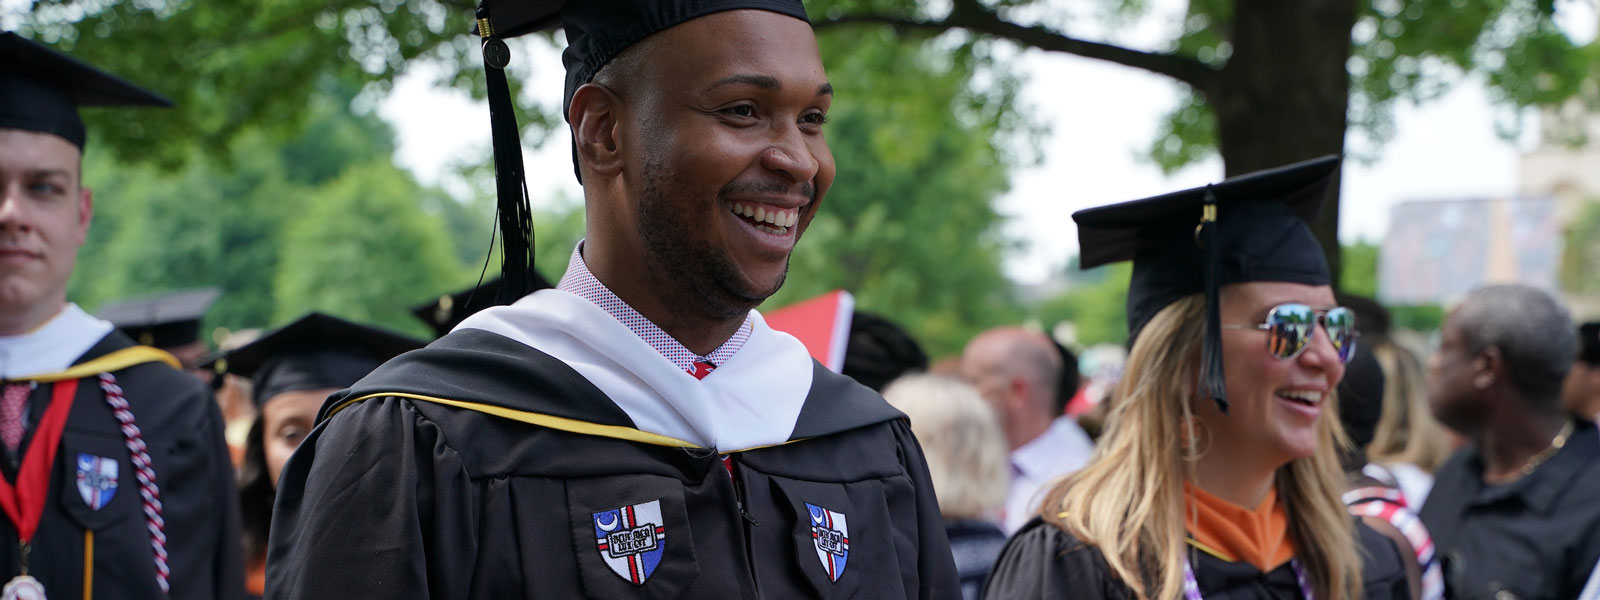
<point x="559" y="229"/>
<point x="922" y="148"/>
<point x="363" y="250"/>
<point x="335" y="136"/>
<point x="1422" y="318"/>
<point x="1580" y="257"/>
<point x="237" y="67"/>
<point x="155" y="231"/>
<point x="1096" y="305"/>
<point x="558" y="225"/>
<point x="1360" y="276"/>
<point x="242" y="222"/>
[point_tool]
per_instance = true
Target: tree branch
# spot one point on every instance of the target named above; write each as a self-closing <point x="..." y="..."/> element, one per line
<point x="976" y="18"/>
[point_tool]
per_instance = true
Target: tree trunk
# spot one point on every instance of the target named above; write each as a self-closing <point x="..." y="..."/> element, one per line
<point x="1282" y="96"/>
<point x="1284" y="93"/>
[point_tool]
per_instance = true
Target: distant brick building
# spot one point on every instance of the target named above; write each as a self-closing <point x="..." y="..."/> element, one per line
<point x="1437" y="250"/>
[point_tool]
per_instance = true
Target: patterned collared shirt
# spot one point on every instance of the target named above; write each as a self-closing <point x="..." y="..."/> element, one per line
<point x="578" y="280"/>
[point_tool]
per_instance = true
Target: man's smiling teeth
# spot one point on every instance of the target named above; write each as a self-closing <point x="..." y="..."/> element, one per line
<point x="777" y="217"/>
<point x="1303" y="396"/>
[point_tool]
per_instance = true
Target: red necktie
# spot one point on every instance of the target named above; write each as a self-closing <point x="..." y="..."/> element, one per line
<point x="701" y="369"/>
<point x="11" y="414"/>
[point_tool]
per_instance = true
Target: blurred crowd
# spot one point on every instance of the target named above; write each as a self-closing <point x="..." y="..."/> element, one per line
<point x="1007" y="423"/>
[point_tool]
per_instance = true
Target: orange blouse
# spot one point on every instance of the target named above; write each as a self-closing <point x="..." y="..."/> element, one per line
<point x="1259" y="536"/>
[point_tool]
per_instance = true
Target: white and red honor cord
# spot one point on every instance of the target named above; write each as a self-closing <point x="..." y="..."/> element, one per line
<point x="148" y="492"/>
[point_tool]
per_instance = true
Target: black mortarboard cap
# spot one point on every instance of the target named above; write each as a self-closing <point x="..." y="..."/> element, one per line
<point x="596" y="31"/>
<point x="1253" y="227"/>
<point x="1589" y="343"/>
<point x="164" y="321"/>
<point x="1361" y="396"/>
<point x="41" y="89"/>
<point x="317" y="351"/>
<point x="450" y="310"/>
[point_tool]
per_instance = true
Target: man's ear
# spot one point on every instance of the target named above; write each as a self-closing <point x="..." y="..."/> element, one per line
<point x="593" y="115"/>
<point x="1489" y="367"/>
<point x="1018" y="392"/>
<point x="85" y="212"/>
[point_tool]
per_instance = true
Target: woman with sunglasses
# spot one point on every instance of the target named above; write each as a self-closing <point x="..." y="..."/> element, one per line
<point x="1218" y="474"/>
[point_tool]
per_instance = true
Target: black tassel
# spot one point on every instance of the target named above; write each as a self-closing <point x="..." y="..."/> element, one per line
<point x="512" y="209"/>
<point x="1211" y="352"/>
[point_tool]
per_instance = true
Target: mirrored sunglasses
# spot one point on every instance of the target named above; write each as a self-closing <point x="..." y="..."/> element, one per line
<point x="1289" y="329"/>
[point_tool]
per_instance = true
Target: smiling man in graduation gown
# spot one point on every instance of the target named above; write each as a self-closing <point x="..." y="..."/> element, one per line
<point x="116" y="482"/>
<point x="639" y="431"/>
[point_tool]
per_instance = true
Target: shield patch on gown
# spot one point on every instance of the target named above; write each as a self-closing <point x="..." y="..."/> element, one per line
<point x="831" y="535"/>
<point x="97" y="480"/>
<point x="631" y="539"/>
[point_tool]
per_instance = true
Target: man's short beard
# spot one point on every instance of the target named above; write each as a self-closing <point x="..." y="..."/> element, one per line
<point x="705" y="279"/>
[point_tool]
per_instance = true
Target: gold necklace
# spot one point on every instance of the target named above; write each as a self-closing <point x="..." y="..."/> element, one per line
<point x="1555" y="446"/>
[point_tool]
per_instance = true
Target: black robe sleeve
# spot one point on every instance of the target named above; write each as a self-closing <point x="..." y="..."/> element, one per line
<point x="219" y="550"/>
<point x="1043" y="562"/>
<point x="936" y="567"/>
<point x="375" y="504"/>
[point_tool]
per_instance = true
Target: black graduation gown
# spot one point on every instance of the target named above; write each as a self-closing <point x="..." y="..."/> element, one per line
<point x="182" y="428"/>
<point x="395" y="496"/>
<point x="1042" y="561"/>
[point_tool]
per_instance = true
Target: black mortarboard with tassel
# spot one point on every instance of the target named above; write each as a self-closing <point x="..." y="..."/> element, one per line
<point x="1253" y="227"/>
<point x="597" y="31"/>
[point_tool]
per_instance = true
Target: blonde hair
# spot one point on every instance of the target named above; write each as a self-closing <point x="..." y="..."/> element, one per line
<point x="960" y="434"/>
<point x="1406" y="433"/>
<point x="1128" y="501"/>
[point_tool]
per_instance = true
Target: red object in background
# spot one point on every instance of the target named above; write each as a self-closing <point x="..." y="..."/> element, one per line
<point x="821" y="323"/>
<point x="1079" y="403"/>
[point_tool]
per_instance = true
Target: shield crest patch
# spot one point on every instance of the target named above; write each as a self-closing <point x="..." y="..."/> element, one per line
<point x="631" y="539"/>
<point x="830" y="532"/>
<point x="97" y="480"/>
